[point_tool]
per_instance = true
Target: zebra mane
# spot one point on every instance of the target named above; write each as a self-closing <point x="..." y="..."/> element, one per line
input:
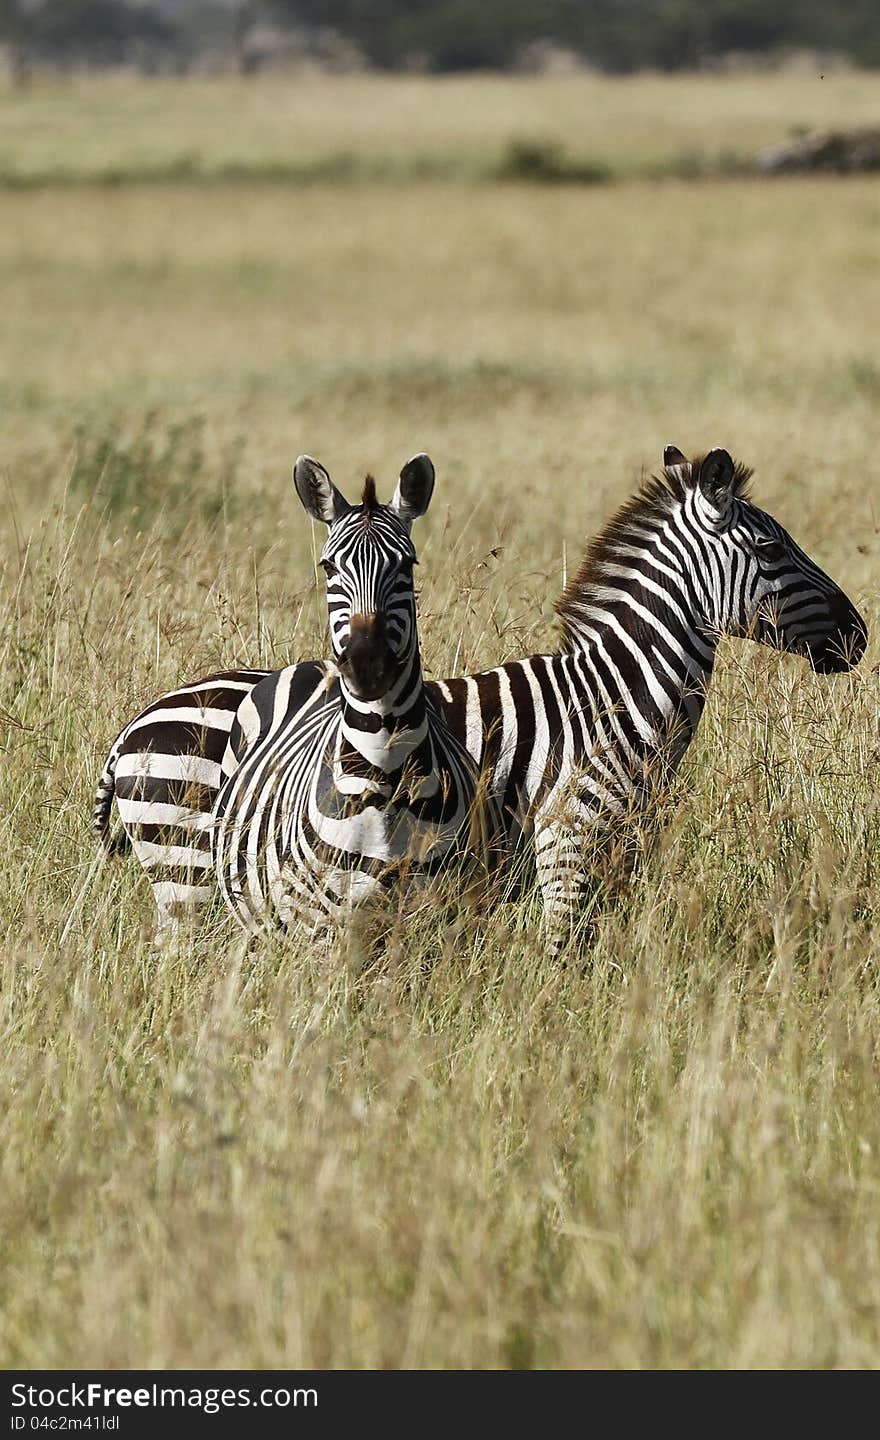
<point x="368" y="499"/>
<point x="656" y="497"/>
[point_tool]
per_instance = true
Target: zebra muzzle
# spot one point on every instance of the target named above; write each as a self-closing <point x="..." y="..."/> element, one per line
<point x="368" y="664"/>
<point x="845" y="647"/>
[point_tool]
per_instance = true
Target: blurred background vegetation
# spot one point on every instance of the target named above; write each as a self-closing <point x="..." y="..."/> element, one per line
<point x="617" y="36"/>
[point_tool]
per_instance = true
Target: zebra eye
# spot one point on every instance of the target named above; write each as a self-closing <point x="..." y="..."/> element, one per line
<point x="329" y="568"/>
<point x="771" y="549"/>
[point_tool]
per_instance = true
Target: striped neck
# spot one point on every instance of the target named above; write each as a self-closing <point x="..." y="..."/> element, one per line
<point x="390" y="732"/>
<point x="635" y="618"/>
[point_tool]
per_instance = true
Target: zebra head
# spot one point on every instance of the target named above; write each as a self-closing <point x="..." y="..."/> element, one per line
<point x="754" y="580"/>
<point x="368" y="559"/>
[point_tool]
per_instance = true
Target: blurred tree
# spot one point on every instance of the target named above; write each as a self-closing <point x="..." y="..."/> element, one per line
<point x="98" y="32"/>
<point x="244" y="13"/>
<point x="13" y="36"/>
<point x="617" y="35"/>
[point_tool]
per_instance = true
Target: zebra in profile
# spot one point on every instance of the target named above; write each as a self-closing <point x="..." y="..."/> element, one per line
<point x="580" y="744"/>
<point x="576" y="744"/>
<point x="347" y="779"/>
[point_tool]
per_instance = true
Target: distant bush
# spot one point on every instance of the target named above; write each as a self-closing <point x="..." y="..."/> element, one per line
<point x="840" y="152"/>
<point x="546" y="162"/>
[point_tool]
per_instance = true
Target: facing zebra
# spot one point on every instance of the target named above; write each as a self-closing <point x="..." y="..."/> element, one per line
<point x="574" y="742"/>
<point x="347" y="780"/>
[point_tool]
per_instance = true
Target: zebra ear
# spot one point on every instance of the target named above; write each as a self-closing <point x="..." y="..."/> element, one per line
<point x="672" y="457"/>
<point x="317" y="492"/>
<point x="414" y="489"/>
<point x="716" y="478"/>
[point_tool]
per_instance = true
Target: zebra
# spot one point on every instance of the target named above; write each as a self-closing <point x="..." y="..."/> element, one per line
<point x="346" y="780"/>
<point x="581" y="743"/>
<point x="164" y="770"/>
<point x="576" y="743"/>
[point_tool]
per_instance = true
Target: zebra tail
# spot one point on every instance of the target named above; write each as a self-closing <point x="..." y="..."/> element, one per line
<point x="111" y="844"/>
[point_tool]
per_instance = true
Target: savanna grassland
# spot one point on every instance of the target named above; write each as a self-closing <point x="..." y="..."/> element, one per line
<point x="455" y="1153"/>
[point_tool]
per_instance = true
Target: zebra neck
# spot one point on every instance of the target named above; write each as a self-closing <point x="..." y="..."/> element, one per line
<point x="389" y="733"/>
<point x="644" y="650"/>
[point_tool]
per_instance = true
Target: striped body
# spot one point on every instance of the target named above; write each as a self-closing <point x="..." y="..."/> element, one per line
<point x="164" y="769"/>
<point x="313" y="821"/>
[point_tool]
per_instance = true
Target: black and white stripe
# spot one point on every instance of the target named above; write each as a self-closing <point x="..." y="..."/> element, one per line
<point x="164" y="770"/>
<point x="577" y="745"/>
<point x="346" y="781"/>
<point x="574" y="745"/>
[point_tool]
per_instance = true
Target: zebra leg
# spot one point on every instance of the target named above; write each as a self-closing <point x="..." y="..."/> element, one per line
<point x="566" y="880"/>
<point x="177" y="862"/>
<point x="585" y="863"/>
<point x="574" y="840"/>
